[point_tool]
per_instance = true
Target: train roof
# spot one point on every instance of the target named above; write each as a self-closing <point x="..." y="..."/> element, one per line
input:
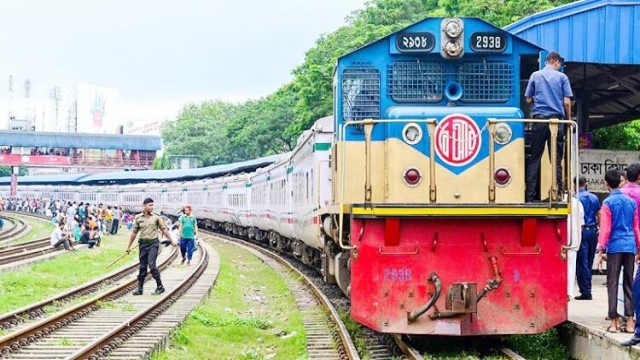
<point x="145" y="176"/>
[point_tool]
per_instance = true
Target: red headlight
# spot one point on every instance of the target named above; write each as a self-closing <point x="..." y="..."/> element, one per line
<point x="412" y="176"/>
<point x="502" y="176"/>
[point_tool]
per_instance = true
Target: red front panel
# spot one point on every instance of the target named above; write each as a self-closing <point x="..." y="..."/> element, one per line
<point x="390" y="280"/>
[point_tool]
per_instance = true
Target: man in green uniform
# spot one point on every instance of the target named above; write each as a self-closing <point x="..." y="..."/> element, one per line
<point x="188" y="230"/>
<point x="148" y="224"/>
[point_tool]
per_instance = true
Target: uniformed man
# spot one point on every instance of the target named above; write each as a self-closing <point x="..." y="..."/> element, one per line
<point x="148" y="224"/>
<point x="549" y="93"/>
<point x="587" y="250"/>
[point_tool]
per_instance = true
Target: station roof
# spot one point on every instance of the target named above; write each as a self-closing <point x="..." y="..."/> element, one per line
<point x="144" y="176"/>
<point x="600" y="41"/>
<point x="79" y="141"/>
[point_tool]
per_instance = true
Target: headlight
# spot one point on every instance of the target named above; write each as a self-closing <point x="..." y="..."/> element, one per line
<point x="502" y="134"/>
<point x="453" y="29"/>
<point x="453" y="48"/>
<point x="412" y="133"/>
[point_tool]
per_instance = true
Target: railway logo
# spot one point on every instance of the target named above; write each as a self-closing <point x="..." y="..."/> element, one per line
<point x="457" y="139"/>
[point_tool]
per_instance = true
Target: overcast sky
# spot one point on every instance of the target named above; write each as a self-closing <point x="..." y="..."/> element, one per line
<point x="160" y="54"/>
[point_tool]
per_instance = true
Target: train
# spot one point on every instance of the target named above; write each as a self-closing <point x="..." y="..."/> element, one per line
<point x="411" y="196"/>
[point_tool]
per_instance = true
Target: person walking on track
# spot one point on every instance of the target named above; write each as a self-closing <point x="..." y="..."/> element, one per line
<point x="188" y="230"/>
<point x="148" y="224"/>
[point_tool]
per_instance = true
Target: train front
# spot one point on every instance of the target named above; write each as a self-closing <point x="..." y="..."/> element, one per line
<point x="429" y="179"/>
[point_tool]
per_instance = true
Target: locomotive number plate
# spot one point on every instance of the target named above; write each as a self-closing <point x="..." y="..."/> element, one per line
<point x="417" y="41"/>
<point x="488" y="42"/>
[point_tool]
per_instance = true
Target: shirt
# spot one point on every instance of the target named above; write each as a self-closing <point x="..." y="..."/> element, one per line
<point x="148" y="225"/>
<point x="632" y="190"/>
<point x="576" y="220"/>
<point x="56" y="235"/>
<point x="591" y="206"/>
<point x="619" y="225"/>
<point x="188" y="226"/>
<point x="548" y="88"/>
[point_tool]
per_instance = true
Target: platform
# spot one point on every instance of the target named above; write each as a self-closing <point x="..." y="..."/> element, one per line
<point x="587" y="331"/>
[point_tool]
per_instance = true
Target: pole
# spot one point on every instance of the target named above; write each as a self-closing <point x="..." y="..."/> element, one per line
<point x="121" y="257"/>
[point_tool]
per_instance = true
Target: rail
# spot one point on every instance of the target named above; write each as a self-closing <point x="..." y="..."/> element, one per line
<point x="347" y="343"/>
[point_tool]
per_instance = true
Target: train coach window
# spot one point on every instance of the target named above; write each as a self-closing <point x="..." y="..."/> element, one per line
<point x="486" y="81"/>
<point x="415" y="81"/>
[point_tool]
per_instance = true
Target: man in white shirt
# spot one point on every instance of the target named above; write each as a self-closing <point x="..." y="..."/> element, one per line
<point x="574" y="232"/>
<point x="58" y="238"/>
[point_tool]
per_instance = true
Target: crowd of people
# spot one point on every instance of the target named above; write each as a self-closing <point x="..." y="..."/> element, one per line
<point x="611" y="230"/>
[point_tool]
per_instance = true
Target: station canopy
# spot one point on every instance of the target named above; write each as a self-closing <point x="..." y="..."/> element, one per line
<point x="79" y="141"/>
<point x="600" y="41"/>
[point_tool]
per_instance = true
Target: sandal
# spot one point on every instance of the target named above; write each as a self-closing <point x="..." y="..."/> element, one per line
<point x="612" y="329"/>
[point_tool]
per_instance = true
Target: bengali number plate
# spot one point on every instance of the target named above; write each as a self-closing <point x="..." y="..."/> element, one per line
<point x="488" y="41"/>
<point x="418" y="41"/>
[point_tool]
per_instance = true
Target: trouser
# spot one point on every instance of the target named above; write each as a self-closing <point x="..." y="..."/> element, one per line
<point x="540" y="134"/>
<point x="636" y="301"/>
<point x="148" y="255"/>
<point x="585" y="259"/>
<point x="64" y="242"/>
<point x="186" y="247"/>
<point x="114" y="226"/>
<point x="614" y="264"/>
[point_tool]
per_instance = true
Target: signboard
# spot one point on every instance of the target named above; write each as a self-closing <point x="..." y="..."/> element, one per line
<point x="595" y="163"/>
<point x="97" y="109"/>
<point x="35" y="160"/>
<point x="415" y="42"/>
<point x="488" y="42"/>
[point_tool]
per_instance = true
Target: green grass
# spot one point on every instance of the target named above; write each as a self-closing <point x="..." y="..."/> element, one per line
<point x="40" y="228"/>
<point x="546" y="345"/>
<point x="45" y="279"/>
<point x="249" y="307"/>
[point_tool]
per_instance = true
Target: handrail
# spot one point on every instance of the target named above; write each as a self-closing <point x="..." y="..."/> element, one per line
<point x="573" y="138"/>
<point x="342" y="168"/>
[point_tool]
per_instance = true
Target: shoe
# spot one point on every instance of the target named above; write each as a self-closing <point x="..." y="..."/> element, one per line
<point x="584" y="297"/>
<point x="189" y="263"/>
<point x="137" y="291"/>
<point x="183" y="260"/>
<point x="159" y="290"/>
<point x="631" y="342"/>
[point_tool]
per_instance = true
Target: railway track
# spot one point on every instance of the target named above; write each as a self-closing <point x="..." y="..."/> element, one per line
<point x="327" y="335"/>
<point x="32" y="249"/>
<point x="18" y="229"/>
<point x="108" y="324"/>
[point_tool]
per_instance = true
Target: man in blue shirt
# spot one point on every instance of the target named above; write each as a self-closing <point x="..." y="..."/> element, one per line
<point x="549" y="92"/>
<point x="587" y="250"/>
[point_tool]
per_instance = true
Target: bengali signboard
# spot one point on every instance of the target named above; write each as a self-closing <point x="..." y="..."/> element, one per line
<point x="35" y="160"/>
<point x="595" y="163"/>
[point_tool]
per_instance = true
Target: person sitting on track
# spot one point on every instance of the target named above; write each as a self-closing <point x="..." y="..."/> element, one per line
<point x="58" y="237"/>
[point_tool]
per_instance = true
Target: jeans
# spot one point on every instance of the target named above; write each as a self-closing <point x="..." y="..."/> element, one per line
<point x="187" y="247"/>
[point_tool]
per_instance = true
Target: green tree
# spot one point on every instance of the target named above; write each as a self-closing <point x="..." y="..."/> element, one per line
<point x="618" y="137"/>
<point x="162" y="163"/>
<point x="218" y="132"/>
<point x="6" y="171"/>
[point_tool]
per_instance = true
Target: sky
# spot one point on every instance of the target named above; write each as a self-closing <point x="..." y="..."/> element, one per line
<point x="157" y="54"/>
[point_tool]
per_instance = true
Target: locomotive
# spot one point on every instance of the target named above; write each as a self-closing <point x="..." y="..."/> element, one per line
<point x="411" y="197"/>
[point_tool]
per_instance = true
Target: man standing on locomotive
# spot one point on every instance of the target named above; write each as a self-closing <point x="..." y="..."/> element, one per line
<point x="148" y="224"/>
<point x="549" y="91"/>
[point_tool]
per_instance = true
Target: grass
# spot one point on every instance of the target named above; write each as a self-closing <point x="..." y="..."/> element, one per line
<point x="45" y="279"/>
<point x="546" y="345"/>
<point x="40" y="228"/>
<point x="250" y="314"/>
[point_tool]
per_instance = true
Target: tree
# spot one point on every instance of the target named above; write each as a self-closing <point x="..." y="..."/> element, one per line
<point x="6" y="171"/>
<point x="618" y="137"/>
<point x="162" y="163"/>
<point x="218" y="132"/>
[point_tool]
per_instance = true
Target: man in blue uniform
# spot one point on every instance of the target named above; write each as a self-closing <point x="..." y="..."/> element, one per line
<point x="549" y="92"/>
<point x="587" y="250"/>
